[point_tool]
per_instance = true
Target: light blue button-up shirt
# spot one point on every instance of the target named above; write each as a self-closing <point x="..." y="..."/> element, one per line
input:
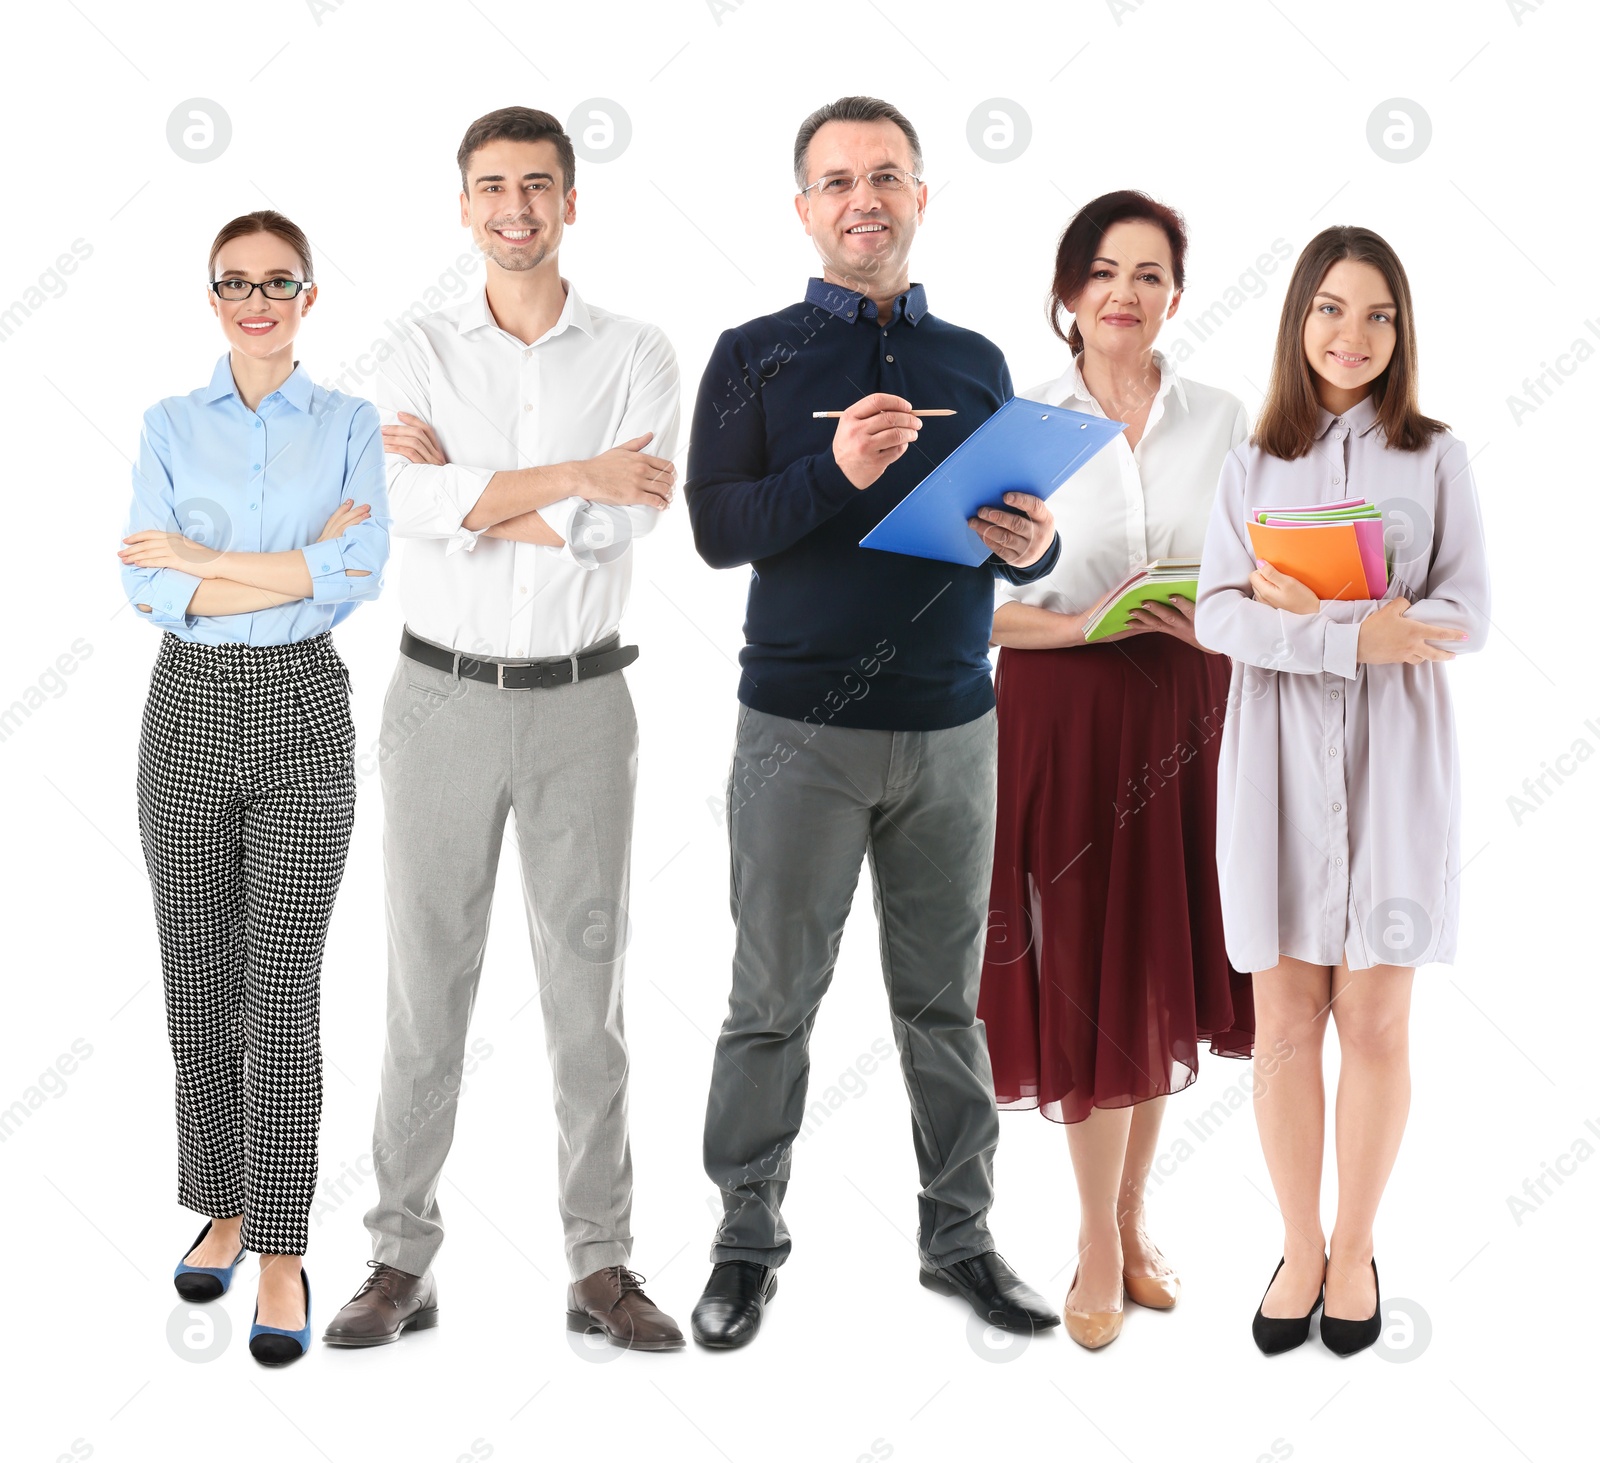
<point x="260" y="482"/>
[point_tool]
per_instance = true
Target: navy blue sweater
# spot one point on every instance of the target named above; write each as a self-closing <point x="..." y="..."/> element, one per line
<point x="836" y="634"/>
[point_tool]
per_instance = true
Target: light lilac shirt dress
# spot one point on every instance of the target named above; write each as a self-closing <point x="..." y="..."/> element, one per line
<point x="1338" y="789"/>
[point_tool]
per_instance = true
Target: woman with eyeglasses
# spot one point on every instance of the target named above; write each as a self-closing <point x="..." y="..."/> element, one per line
<point x="259" y="521"/>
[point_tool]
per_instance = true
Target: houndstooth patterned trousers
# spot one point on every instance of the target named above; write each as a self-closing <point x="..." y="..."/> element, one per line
<point x="246" y="800"/>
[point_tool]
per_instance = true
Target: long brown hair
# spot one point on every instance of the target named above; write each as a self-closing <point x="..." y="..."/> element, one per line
<point x="1080" y="246"/>
<point x="1290" y="415"/>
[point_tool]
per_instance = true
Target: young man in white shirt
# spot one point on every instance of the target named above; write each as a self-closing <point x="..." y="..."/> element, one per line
<point x="516" y="423"/>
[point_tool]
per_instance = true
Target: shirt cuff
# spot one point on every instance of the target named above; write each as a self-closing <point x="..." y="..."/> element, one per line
<point x="461" y="487"/>
<point x="558" y="518"/>
<point x="1041" y="567"/>
<point x="325" y="563"/>
<point x="168" y="596"/>
<point x="463" y="538"/>
<point x="1339" y="649"/>
<point x="598" y="533"/>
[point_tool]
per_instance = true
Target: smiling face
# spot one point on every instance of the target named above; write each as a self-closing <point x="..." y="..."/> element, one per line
<point x="1350" y="333"/>
<point x="864" y="238"/>
<point x="257" y="326"/>
<point x="515" y="203"/>
<point x="1129" y="293"/>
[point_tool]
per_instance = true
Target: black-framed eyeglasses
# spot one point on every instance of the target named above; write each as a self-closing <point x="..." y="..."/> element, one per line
<point x="273" y="289"/>
<point x="882" y="180"/>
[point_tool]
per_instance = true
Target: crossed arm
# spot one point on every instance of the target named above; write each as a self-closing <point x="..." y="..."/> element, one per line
<point x="509" y="505"/>
<point x="235" y="582"/>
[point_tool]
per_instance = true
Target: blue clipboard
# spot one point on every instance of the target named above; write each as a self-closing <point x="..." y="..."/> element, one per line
<point x="1025" y="447"/>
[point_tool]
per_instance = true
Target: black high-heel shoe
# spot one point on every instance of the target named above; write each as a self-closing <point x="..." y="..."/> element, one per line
<point x="1345" y="1338"/>
<point x="1277" y="1334"/>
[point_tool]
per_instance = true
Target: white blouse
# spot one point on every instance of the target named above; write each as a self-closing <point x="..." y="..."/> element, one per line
<point x="1126" y="506"/>
<point x="1338" y="787"/>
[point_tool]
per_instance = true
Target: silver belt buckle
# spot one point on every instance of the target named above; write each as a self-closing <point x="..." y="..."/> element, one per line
<point x="500" y="675"/>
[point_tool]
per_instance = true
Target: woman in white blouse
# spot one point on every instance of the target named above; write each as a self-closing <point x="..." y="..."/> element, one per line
<point x="1105" y="965"/>
<point x="1338" y="802"/>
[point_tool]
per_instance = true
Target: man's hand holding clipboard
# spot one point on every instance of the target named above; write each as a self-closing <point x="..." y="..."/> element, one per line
<point x="1020" y="532"/>
<point x="878" y="429"/>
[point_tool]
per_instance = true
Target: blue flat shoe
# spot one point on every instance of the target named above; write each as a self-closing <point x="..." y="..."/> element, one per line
<point x="204" y="1282"/>
<point x="273" y="1346"/>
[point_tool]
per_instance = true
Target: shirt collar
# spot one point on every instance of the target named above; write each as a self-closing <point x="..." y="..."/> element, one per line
<point x="852" y="305"/>
<point x="1361" y="418"/>
<point x="296" y="390"/>
<point x="1070" y="384"/>
<point x="474" y="312"/>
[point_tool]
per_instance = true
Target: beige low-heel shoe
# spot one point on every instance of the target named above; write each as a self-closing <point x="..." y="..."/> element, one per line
<point x="1154" y="1292"/>
<point x="1093" y="1329"/>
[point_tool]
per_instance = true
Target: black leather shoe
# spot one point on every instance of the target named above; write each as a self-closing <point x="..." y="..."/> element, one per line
<point x="994" y="1290"/>
<point x="1345" y="1338"/>
<point x="1276" y="1334"/>
<point x="730" y="1308"/>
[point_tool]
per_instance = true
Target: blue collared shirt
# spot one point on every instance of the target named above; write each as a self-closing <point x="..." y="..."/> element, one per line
<point x="259" y="482"/>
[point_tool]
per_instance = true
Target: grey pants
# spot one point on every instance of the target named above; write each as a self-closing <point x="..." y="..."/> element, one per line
<point x="805" y="803"/>
<point x="456" y="757"/>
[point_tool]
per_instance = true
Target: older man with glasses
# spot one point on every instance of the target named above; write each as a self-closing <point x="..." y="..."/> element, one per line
<point x="866" y="725"/>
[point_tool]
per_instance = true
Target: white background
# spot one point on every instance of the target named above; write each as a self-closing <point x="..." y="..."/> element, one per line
<point x="1251" y="117"/>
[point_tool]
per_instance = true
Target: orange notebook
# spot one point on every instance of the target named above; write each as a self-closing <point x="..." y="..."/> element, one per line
<point x="1326" y="558"/>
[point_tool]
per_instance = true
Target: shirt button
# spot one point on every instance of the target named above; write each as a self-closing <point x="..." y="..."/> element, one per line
<point x="1333" y="695"/>
<point x="252" y="507"/>
<point x="888" y="358"/>
<point x="255" y="467"/>
<point x="1336" y="807"/>
<point x="1333" y="751"/>
<point x="522" y="589"/>
<point x="527" y="406"/>
<point x="1337" y="860"/>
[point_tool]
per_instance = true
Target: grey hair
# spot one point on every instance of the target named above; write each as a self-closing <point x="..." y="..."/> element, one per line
<point x="852" y="109"/>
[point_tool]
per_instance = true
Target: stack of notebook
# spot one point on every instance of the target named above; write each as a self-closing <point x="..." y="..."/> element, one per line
<point x="1334" y="549"/>
<point x="1152" y="581"/>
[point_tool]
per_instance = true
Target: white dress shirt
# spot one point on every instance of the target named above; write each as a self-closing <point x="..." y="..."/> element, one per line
<point x="592" y="381"/>
<point x="1126" y="506"/>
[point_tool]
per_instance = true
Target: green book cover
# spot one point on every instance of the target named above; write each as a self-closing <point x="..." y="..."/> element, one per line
<point x="1115" y="615"/>
<point x="1316" y="515"/>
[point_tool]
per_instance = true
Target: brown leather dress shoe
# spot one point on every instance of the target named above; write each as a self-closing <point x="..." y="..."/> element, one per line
<point x="389" y="1302"/>
<point x="611" y="1301"/>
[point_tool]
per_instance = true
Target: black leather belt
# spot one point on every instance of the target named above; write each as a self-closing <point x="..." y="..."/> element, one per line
<point x="522" y="675"/>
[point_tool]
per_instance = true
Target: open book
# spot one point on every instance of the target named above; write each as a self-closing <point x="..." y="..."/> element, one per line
<point x="1152" y="581"/>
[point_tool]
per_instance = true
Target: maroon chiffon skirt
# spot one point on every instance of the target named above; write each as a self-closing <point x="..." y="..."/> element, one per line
<point x="1104" y="966"/>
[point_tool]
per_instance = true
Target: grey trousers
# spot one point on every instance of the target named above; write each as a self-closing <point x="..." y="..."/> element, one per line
<point x="805" y="803"/>
<point x="456" y="757"/>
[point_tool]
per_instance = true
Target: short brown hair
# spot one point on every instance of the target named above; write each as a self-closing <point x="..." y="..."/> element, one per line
<point x="262" y="221"/>
<point x="1080" y="246"/>
<point x="519" y="124"/>
<point x="1290" y="415"/>
<point x="852" y="109"/>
